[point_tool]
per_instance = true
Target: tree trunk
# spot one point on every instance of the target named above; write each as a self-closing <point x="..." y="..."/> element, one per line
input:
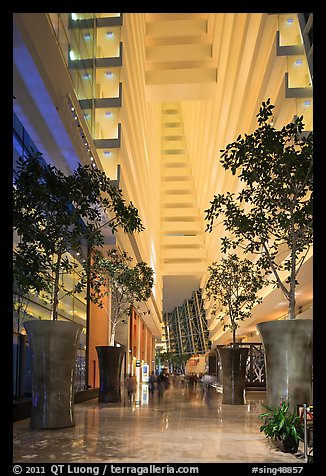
<point x="55" y="300"/>
<point x="114" y="325"/>
<point x="291" y="314"/>
<point x="292" y="288"/>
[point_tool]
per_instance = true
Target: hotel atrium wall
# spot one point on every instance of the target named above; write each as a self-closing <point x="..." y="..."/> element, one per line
<point x="67" y="112"/>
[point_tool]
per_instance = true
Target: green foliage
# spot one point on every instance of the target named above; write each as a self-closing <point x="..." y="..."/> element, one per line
<point x="280" y="423"/>
<point x="233" y="285"/>
<point x="175" y="361"/>
<point x="56" y="216"/>
<point x="272" y="216"/>
<point x="113" y="276"/>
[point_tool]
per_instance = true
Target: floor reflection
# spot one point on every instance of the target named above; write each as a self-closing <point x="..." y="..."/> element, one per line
<point x="181" y="425"/>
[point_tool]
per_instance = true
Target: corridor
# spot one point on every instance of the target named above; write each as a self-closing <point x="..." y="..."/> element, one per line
<point x="183" y="426"/>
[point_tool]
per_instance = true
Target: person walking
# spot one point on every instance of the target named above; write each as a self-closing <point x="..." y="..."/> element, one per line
<point x="131" y="384"/>
<point x="160" y="383"/>
<point x="151" y="383"/>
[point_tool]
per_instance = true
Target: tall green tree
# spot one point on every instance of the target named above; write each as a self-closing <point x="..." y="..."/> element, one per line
<point x="57" y="216"/>
<point x="114" y="277"/>
<point x="233" y="285"/>
<point x="272" y="216"/>
<point x="175" y="361"/>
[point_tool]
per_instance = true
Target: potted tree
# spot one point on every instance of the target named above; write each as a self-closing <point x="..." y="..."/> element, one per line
<point x="282" y="425"/>
<point x="272" y="217"/>
<point x="233" y="285"/>
<point x="57" y="216"/>
<point x="116" y="285"/>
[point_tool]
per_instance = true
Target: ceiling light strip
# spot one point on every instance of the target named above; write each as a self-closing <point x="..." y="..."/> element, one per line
<point x="80" y="130"/>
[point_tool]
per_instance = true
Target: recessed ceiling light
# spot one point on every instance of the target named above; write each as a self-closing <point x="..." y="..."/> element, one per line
<point x="307" y="103"/>
<point x="298" y="61"/>
<point x="86" y="76"/>
<point x="109" y="74"/>
<point x="107" y="153"/>
<point x="109" y="34"/>
<point x="108" y="113"/>
<point x="87" y="36"/>
<point x="289" y="20"/>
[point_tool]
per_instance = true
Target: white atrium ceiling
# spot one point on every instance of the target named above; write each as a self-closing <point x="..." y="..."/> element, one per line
<point x="210" y="73"/>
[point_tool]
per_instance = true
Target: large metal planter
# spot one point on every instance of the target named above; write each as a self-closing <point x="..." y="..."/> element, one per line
<point x="233" y="360"/>
<point x="54" y="347"/>
<point x="288" y="360"/>
<point x="110" y="362"/>
<point x="20" y="365"/>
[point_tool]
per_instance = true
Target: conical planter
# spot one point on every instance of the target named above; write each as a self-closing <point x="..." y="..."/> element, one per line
<point x="233" y="360"/>
<point x="110" y="362"/>
<point x="53" y="346"/>
<point x="288" y="360"/>
<point x="20" y="362"/>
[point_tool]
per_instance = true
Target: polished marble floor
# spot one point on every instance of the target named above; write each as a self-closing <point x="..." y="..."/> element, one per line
<point x="183" y="426"/>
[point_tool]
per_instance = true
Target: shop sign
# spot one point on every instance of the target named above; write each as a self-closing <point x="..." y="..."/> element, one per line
<point x="145" y="373"/>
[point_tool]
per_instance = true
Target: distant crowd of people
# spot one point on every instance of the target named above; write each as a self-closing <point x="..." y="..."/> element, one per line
<point x="159" y="382"/>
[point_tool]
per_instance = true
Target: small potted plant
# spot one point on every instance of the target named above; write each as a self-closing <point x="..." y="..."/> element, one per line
<point x="282" y="425"/>
<point x="233" y="285"/>
<point x="116" y="286"/>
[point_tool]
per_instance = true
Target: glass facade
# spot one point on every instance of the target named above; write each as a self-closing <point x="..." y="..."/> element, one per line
<point x="186" y="327"/>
